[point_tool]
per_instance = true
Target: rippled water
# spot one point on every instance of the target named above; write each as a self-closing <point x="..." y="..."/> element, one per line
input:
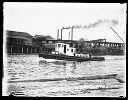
<point x="31" y="67"/>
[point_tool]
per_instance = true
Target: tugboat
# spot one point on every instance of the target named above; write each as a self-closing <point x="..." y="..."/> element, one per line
<point x="65" y="51"/>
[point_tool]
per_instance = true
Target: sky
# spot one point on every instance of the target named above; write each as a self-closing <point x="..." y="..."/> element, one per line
<point x="46" y="18"/>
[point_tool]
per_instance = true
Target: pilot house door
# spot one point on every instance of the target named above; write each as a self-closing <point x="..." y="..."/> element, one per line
<point x="64" y="48"/>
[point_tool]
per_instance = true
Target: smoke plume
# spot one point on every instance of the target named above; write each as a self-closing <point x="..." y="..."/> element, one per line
<point x="95" y="24"/>
<point x="101" y="22"/>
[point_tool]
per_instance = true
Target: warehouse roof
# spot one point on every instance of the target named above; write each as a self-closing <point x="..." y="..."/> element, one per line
<point x="16" y="33"/>
<point x="43" y="37"/>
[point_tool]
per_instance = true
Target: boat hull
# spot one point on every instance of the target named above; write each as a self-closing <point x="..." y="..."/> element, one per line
<point x="70" y="58"/>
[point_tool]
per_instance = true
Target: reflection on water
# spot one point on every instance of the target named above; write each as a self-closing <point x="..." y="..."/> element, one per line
<point x="31" y="67"/>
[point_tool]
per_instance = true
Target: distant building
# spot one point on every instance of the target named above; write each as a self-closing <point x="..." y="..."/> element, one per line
<point x="98" y="40"/>
<point x="20" y="42"/>
<point x="101" y="47"/>
<point x="24" y="43"/>
<point x="14" y="37"/>
<point x="40" y="40"/>
<point x="44" y="37"/>
<point x="47" y="48"/>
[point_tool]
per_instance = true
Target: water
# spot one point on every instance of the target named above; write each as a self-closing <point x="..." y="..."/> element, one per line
<point x="31" y="67"/>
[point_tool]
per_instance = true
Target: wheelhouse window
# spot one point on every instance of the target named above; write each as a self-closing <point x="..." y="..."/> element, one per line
<point x="59" y="45"/>
<point x="71" y="50"/>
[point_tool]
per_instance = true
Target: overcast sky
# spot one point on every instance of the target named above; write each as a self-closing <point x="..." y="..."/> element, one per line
<point x="46" y="18"/>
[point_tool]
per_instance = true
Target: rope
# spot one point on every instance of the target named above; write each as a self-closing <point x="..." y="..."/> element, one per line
<point x="117" y="35"/>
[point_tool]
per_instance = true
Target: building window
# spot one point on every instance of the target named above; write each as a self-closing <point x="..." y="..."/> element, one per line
<point x="71" y="50"/>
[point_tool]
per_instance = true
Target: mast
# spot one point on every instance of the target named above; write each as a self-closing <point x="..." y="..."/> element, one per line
<point x="61" y="33"/>
<point x="57" y="34"/>
<point x="71" y="33"/>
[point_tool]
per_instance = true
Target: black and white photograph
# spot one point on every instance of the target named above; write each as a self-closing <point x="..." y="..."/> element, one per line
<point x="60" y="49"/>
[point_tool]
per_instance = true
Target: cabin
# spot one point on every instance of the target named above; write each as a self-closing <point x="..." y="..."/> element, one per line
<point x="65" y="49"/>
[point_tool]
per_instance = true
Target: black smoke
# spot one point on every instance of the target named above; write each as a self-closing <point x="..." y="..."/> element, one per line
<point x="95" y="24"/>
<point x="101" y="22"/>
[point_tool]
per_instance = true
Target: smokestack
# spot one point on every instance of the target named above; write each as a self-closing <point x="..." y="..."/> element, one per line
<point x="57" y="34"/>
<point x="72" y="33"/>
<point x="69" y="35"/>
<point x="61" y="33"/>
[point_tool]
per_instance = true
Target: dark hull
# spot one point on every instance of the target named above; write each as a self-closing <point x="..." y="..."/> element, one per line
<point x="70" y="58"/>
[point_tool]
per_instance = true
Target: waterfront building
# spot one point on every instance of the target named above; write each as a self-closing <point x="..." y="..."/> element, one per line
<point x="20" y="43"/>
<point x="24" y="43"/>
<point x="101" y="47"/>
<point x="42" y="39"/>
<point x="45" y="46"/>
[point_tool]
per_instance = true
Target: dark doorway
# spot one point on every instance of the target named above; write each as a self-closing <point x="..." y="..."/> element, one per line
<point x="64" y="48"/>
